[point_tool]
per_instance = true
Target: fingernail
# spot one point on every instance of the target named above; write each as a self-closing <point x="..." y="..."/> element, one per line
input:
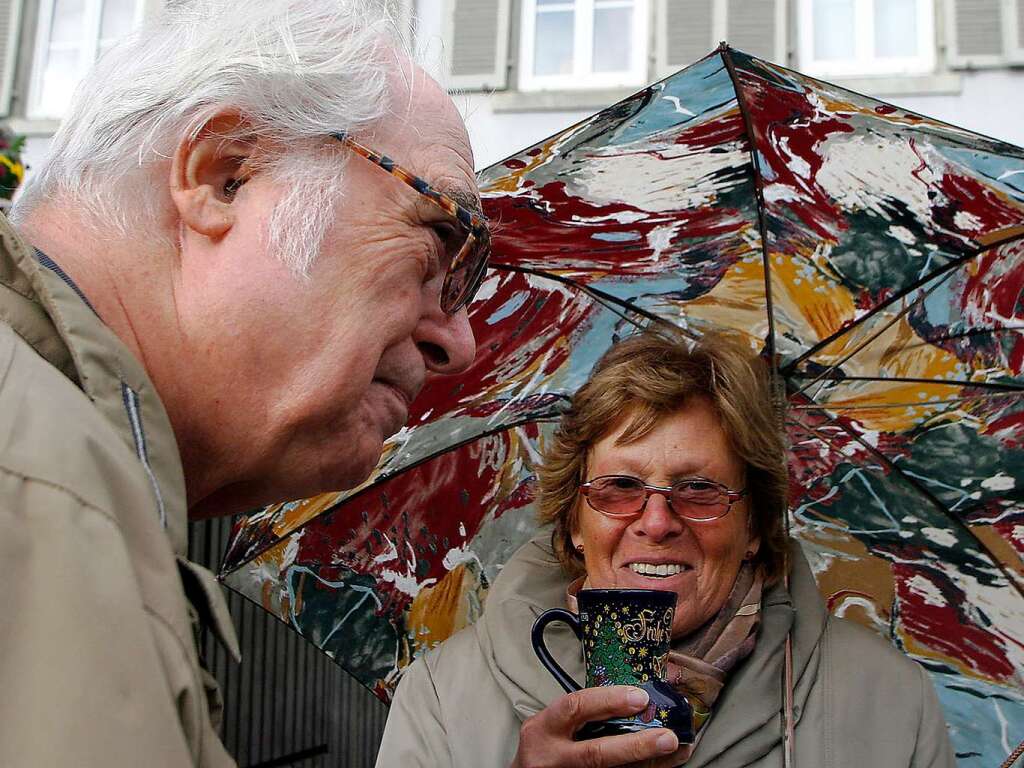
<point x="667" y="742"/>
<point x="637" y="698"/>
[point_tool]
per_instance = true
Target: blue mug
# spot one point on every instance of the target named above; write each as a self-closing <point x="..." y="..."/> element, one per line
<point x="626" y="634"/>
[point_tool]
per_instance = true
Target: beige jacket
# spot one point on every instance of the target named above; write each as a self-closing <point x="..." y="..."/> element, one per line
<point x="859" y="702"/>
<point x="98" y="659"/>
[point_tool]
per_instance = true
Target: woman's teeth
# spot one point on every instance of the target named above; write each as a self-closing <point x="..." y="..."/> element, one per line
<point x="662" y="569"/>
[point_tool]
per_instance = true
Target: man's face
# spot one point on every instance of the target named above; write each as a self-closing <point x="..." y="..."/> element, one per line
<point x="322" y="370"/>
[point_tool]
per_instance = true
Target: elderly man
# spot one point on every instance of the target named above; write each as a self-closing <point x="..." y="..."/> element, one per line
<point x="217" y="297"/>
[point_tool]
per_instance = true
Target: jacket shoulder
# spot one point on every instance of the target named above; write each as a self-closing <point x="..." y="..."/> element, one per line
<point x="51" y="432"/>
<point x="860" y="650"/>
<point x="892" y="707"/>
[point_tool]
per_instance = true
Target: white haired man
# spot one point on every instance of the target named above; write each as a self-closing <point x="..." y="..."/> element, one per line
<point x="220" y="294"/>
<point x="216" y="297"/>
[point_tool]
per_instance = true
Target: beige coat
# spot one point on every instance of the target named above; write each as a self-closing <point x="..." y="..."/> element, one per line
<point x="98" y="660"/>
<point x="859" y="702"/>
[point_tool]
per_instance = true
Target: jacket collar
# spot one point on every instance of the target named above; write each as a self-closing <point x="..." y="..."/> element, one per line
<point x="51" y="317"/>
<point x="747" y="719"/>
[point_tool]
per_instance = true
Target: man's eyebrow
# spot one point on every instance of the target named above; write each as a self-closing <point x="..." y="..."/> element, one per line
<point x="465" y="198"/>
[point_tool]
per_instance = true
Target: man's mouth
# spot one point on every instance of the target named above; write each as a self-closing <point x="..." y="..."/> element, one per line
<point x="405" y="396"/>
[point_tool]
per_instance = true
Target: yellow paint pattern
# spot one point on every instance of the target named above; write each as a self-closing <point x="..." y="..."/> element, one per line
<point x="441" y="610"/>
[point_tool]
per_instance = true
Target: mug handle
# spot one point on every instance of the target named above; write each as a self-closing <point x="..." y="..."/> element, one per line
<point x="537" y="638"/>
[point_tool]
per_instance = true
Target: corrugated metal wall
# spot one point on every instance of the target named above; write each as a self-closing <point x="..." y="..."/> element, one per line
<point x="286" y="704"/>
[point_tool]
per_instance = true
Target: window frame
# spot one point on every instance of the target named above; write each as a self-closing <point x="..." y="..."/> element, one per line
<point x="89" y="51"/>
<point x="865" y="63"/>
<point x="583" y="77"/>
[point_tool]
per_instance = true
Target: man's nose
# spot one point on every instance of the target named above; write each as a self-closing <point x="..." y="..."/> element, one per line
<point x="446" y="342"/>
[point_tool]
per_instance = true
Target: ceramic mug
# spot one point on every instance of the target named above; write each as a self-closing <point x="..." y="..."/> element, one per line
<point x="626" y="635"/>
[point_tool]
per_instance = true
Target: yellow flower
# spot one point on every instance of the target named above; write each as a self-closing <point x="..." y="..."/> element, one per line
<point x="16" y="168"/>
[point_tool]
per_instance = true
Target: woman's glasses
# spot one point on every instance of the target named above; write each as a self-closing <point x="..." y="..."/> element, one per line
<point x="466" y="269"/>
<point x="692" y="498"/>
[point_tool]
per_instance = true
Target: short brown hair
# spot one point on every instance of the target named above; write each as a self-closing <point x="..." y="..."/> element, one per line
<point x="653" y="374"/>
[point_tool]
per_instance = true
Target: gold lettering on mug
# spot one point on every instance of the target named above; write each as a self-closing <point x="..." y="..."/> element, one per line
<point x="645" y="628"/>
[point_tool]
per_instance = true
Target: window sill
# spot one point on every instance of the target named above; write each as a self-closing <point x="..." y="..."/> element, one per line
<point x="32" y="126"/>
<point x="939" y="83"/>
<point x="559" y="101"/>
<point x="936" y="84"/>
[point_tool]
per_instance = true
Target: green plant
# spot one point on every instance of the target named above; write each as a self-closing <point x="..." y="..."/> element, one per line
<point x="12" y="170"/>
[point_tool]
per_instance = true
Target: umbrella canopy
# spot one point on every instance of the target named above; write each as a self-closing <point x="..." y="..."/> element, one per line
<point x="875" y="257"/>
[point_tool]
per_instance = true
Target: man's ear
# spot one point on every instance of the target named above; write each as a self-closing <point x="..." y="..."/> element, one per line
<point x="206" y="173"/>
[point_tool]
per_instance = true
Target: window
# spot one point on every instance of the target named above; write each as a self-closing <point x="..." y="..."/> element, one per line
<point x="583" y="44"/>
<point x="72" y="34"/>
<point x="849" y="38"/>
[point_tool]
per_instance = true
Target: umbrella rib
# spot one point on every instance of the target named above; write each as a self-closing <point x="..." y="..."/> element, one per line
<point x="955" y="264"/>
<point x="453" y="447"/>
<point x="917" y="486"/>
<point x="608" y="301"/>
<point x="918" y="404"/>
<point x="874" y="337"/>
<point x="995" y="385"/>
<point x="762" y="223"/>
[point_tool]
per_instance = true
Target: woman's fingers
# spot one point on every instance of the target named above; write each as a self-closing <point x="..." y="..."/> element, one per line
<point x="625" y="749"/>
<point x="570" y="712"/>
<point x="546" y="739"/>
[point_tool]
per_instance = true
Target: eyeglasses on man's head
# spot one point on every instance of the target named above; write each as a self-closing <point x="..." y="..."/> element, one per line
<point x="468" y="265"/>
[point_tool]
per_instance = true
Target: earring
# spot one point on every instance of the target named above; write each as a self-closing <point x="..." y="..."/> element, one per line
<point x="579" y="549"/>
<point x="748" y="556"/>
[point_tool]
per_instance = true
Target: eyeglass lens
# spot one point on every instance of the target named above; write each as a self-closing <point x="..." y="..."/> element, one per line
<point x="695" y="499"/>
<point x="464" y="274"/>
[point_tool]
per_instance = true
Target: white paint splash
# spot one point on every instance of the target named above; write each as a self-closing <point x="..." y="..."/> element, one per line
<point x="460" y="556"/>
<point x="1001" y="482"/>
<point x="678" y="106"/>
<point x="902" y="234"/>
<point x="923" y="588"/>
<point x="406" y="582"/>
<point x="965" y="220"/>
<point x="941" y="536"/>
<point x="780" y="193"/>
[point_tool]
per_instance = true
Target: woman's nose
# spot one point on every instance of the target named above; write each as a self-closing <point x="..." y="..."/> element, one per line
<point x="658" y="522"/>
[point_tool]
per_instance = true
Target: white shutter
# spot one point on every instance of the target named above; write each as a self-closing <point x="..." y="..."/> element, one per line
<point x="758" y="27"/>
<point x="687" y="30"/>
<point x="476" y="43"/>
<point x="975" y="31"/>
<point x="1014" y="16"/>
<point x="10" y="27"/>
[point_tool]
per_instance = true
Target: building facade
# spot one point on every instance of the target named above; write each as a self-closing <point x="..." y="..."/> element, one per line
<point x="524" y="69"/>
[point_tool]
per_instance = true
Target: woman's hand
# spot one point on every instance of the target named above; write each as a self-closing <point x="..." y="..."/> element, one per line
<point x="546" y="739"/>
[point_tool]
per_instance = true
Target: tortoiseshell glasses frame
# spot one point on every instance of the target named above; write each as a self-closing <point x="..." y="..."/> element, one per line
<point x="467" y="267"/>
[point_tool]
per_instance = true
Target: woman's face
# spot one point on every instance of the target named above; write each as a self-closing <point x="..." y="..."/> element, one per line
<point x="707" y="555"/>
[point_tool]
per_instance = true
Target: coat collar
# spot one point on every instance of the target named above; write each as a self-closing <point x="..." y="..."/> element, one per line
<point x="51" y="317"/>
<point x="747" y="721"/>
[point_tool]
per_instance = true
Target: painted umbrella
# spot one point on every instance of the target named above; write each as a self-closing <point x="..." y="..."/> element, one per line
<point x="875" y="258"/>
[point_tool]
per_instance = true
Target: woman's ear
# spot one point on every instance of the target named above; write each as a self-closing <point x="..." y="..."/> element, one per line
<point x="577" y="542"/>
<point x="753" y="540"/>
<point x="207" y="172"/>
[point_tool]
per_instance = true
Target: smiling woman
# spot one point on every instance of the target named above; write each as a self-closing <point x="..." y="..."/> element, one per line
<point x="668" y="473"/>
